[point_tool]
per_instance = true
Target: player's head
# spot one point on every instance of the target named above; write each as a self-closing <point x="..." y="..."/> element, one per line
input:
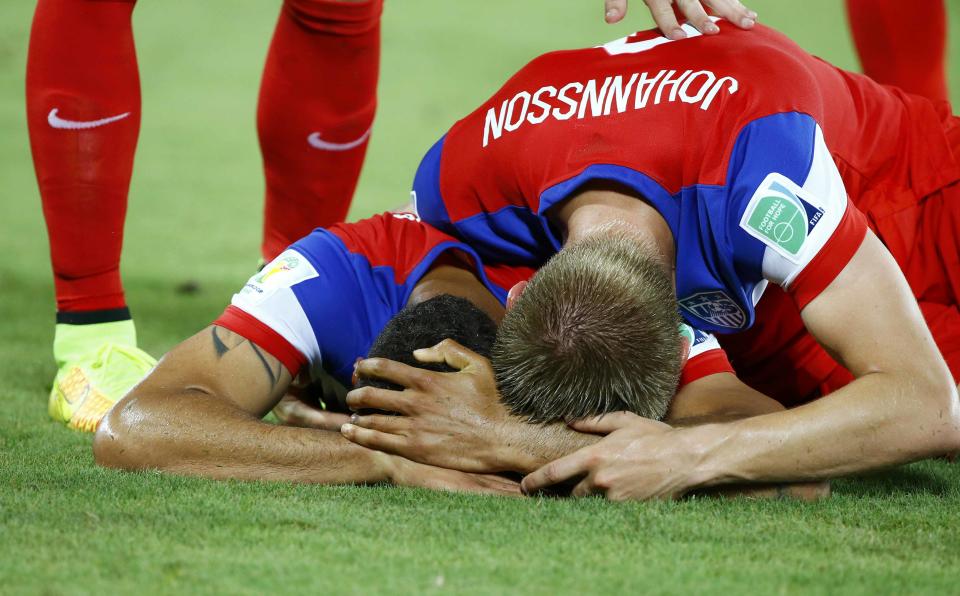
<point x="426" y="324"/>
<point x="594" y="331"/>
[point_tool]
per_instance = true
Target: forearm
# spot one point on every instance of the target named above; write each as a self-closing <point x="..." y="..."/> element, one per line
<point x="878" y="420"/>
<point x="804" y="491"/>
<point x="194" y="433"/>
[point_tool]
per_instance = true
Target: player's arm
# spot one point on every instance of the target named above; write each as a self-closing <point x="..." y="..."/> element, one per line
<point x="792" y="223"/>
<point x="715" y="398"/>
<point x="722" y="397"/>
<point x="198" y="413"/>
<point x="901" y="407"/>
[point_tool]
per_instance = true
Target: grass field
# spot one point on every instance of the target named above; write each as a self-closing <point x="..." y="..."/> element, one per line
<point x="67" y="526"/>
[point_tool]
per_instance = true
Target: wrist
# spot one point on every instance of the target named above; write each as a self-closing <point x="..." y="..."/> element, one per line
<point x="385" y="467"/>
<point x="511" y="451"/>
<point x="709" y="465"/>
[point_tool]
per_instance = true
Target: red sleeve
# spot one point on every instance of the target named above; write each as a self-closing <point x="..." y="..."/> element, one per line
<point x="831" y="259"/>
<point x="702" y="365"/>
<point x="249" y="327"/>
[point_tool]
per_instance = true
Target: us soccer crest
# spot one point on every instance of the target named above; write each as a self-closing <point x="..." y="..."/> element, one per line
<point x="715" y="308"/>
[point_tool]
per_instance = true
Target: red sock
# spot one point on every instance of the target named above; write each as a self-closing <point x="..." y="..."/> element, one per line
<point x="317" y="101"/>
<point x="902" y="43"/>
<point x="83" y="114"/>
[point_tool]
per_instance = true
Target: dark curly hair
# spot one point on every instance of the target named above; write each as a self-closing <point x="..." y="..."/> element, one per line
<point x="426" y="324"/>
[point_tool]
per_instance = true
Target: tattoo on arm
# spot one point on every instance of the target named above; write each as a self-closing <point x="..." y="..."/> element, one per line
<point x="274" y="377"/>
<point x="222" y="345"/>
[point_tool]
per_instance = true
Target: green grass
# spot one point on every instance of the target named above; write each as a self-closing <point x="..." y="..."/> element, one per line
<point x="67" y="526"/>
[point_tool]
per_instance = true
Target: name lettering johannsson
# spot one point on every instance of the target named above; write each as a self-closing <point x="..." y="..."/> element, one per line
<point x="595" y="98"/>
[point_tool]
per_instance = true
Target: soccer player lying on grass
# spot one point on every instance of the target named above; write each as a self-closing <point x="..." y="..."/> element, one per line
<point x="725" y="162"/>
<point x="318" y="307"/>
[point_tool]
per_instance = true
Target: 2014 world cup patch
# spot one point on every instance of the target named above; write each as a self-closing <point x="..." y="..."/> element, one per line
<point x="781" y="216"/>
<point x="289" y="268"/>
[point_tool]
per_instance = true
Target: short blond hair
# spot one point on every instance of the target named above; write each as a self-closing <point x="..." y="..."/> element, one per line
<point x="595" y="331"/>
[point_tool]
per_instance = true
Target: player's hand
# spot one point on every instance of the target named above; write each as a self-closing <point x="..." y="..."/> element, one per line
<point x="404" y="472"/>
<point x="294" y="412"/>
<point x="638" y="459"/>
<point x="693" y="10"/>
<point x="454" y="420"/>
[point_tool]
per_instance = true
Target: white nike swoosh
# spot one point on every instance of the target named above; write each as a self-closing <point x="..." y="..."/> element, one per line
<point x="317" y="143"/>
<point x="58" y="122"/>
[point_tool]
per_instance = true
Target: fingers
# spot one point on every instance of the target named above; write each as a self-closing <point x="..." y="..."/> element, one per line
<point x="614" y="10"/>
<point x="462" y="482"/>
<point x="606" y="424"/>
<point x="497" y="485"/>
<point x="394" y="425"/>
<point x="733" y="11"/>
<point x="450" y="352"/>
<point x="558" y="471"/>
<point x="294" y="412"/>
<point x="609" y="423"/>
<point x="666" y="21"/>
<point x="373" y="439"/>
<point x="693" y="10"/>
<point x="395" y="372"/>
<point x="374" y="398"/>
<point x="584" y="488"/>
<point x="309" y="418"/>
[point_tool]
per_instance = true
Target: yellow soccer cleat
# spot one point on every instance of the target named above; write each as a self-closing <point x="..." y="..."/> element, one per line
<point x="90" y="381"/>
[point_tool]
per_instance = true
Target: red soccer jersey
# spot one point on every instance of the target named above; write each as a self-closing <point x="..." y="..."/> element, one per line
<point x="325" y="299"/>
<point x="745" y="144"/>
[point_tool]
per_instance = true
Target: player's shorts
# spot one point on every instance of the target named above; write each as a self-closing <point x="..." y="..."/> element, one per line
<point x="779" y="358"/>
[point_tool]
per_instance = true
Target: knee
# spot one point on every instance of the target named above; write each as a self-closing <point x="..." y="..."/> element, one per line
<point x="336" y="17"/>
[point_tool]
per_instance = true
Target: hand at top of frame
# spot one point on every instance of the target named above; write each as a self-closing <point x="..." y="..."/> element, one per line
<point x="454" y="420"/>
<point x="638" y="459"/>
<point x="693" y="10"/>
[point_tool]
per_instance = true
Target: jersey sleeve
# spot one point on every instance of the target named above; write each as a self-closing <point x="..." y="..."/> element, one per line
<point x="790" y="221"/>
<point x="267" y="312"/>
<point x="323" y="301"/>
<point x="706" y="357"/>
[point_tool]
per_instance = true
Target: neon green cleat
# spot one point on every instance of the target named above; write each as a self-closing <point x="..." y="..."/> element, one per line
<point x="98" y="364"/>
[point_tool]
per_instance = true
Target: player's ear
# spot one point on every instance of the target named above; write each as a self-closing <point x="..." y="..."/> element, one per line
<point x="514" y="294"/>
<point x="684" y="349"/>
<point x="355" y="378"/>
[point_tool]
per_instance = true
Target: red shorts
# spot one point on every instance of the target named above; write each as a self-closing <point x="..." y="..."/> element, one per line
<point x="779" y="358"/>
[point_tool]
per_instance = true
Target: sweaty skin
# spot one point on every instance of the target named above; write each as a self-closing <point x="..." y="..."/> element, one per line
<point x="902" y="405"/>
<point x="456" y="420"/>
<point x="198" y="413"/>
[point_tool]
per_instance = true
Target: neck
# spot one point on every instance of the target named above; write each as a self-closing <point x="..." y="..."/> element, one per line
<point x="455" y="279"/>
<point x="600" y="209"/>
